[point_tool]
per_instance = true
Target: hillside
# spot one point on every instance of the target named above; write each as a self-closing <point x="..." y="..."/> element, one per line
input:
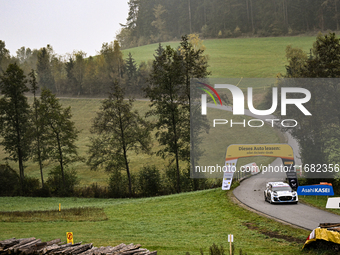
<point x="239" y="57"/>
<point x="242" y="57"/>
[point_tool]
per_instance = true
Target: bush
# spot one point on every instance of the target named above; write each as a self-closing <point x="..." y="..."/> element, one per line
<point x="55" y="182"/>
<point x="30" y="186"/>
<point x="9" y="181"/>
<point x="237" y="31"/>
<point x="43" y="192"/>
<point x="92" y="191"/>
<point x="149" y="181"/>
<point x="215" y="250"/>
<point x="119" y="184"/>
<point x="206" y="32"/>
<point x="170" y="180"/>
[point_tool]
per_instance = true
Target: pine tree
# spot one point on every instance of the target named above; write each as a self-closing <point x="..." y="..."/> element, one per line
<point x="46" y="79"/>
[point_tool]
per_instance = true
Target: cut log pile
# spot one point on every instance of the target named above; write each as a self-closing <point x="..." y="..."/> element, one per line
<point x="36" y="247"/>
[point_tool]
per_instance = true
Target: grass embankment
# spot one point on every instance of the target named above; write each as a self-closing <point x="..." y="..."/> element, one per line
<point x="319" y="202"/>
<point x="173" y="224"/>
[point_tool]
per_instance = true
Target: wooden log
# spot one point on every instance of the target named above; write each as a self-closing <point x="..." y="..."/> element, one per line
<point x="21" y="242"/>
<point x="55" y="241"/>
<point x="45" y="250"/>
<point x="90" y="251"/>
<point x="118" y="247"/>
<point x="33" y="246"/>
<point x="38" y="247"/>
<point x="83" y="248"/>
<point x="102" y="250"/>
<point x="77" y="249"/>
<point x="58" y="248"/>
<point x="130" y="252"/>
<point x="142" y="252"/>
<point x="27" y="245"/>
<point x="65" y="249"/>
<point x="8" y="242"/>
<point x="128" y="247"/>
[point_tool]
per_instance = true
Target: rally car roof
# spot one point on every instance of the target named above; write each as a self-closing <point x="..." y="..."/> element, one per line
<point x="278" y="184"/>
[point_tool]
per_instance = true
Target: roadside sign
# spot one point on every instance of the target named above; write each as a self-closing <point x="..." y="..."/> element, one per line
<point x="69" y="236"/>
<point x="230" y="240"/>
<point x="316" y="190"/>
<point x="333" y="203"/>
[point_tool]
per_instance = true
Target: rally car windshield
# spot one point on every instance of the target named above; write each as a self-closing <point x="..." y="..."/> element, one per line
<point x="282" y="188"/>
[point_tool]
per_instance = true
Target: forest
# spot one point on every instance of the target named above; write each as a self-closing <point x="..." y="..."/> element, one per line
<point x="77" y="74"/>
<point x="151" y="21"/>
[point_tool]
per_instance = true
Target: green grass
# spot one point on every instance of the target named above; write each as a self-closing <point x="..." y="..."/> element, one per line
<point x="239" y="57"/>
<point x="170" y="224"/>
<point x="319" y="202"/>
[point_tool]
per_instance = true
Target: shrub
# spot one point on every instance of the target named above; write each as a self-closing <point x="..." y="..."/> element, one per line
<point x="94" y="190"/>
<point x="119" y="184"/>
<point x="149" y="181"/>
<point x="205" y="31"/>
<point x="55" y="182"/>
<point x="215" y="250"/>
<point x="43" y="192"/>
<point x="237" y="31"/>
<point x="170" y="180"/>
<point x="30" y="186"/>
<point x="9" y="181"/>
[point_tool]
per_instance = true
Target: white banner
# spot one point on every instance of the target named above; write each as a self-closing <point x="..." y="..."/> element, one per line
<point x="333" y="203"/>
<point x="230" y="168"/>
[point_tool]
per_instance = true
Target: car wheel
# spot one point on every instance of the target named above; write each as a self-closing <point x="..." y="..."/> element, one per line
<point x="265" y="197"/>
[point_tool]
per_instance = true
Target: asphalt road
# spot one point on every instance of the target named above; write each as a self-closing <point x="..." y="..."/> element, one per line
<point x="250" y="193"/>
<point x="251" y="190"/>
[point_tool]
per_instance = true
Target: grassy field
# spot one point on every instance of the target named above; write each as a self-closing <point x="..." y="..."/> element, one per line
<point x="170" y="224"/>
<point x="239" y="57"/>
<point x="84" y="110"/>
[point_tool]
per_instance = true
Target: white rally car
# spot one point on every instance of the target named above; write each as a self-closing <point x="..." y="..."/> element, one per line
<point x="280" y="192"/>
